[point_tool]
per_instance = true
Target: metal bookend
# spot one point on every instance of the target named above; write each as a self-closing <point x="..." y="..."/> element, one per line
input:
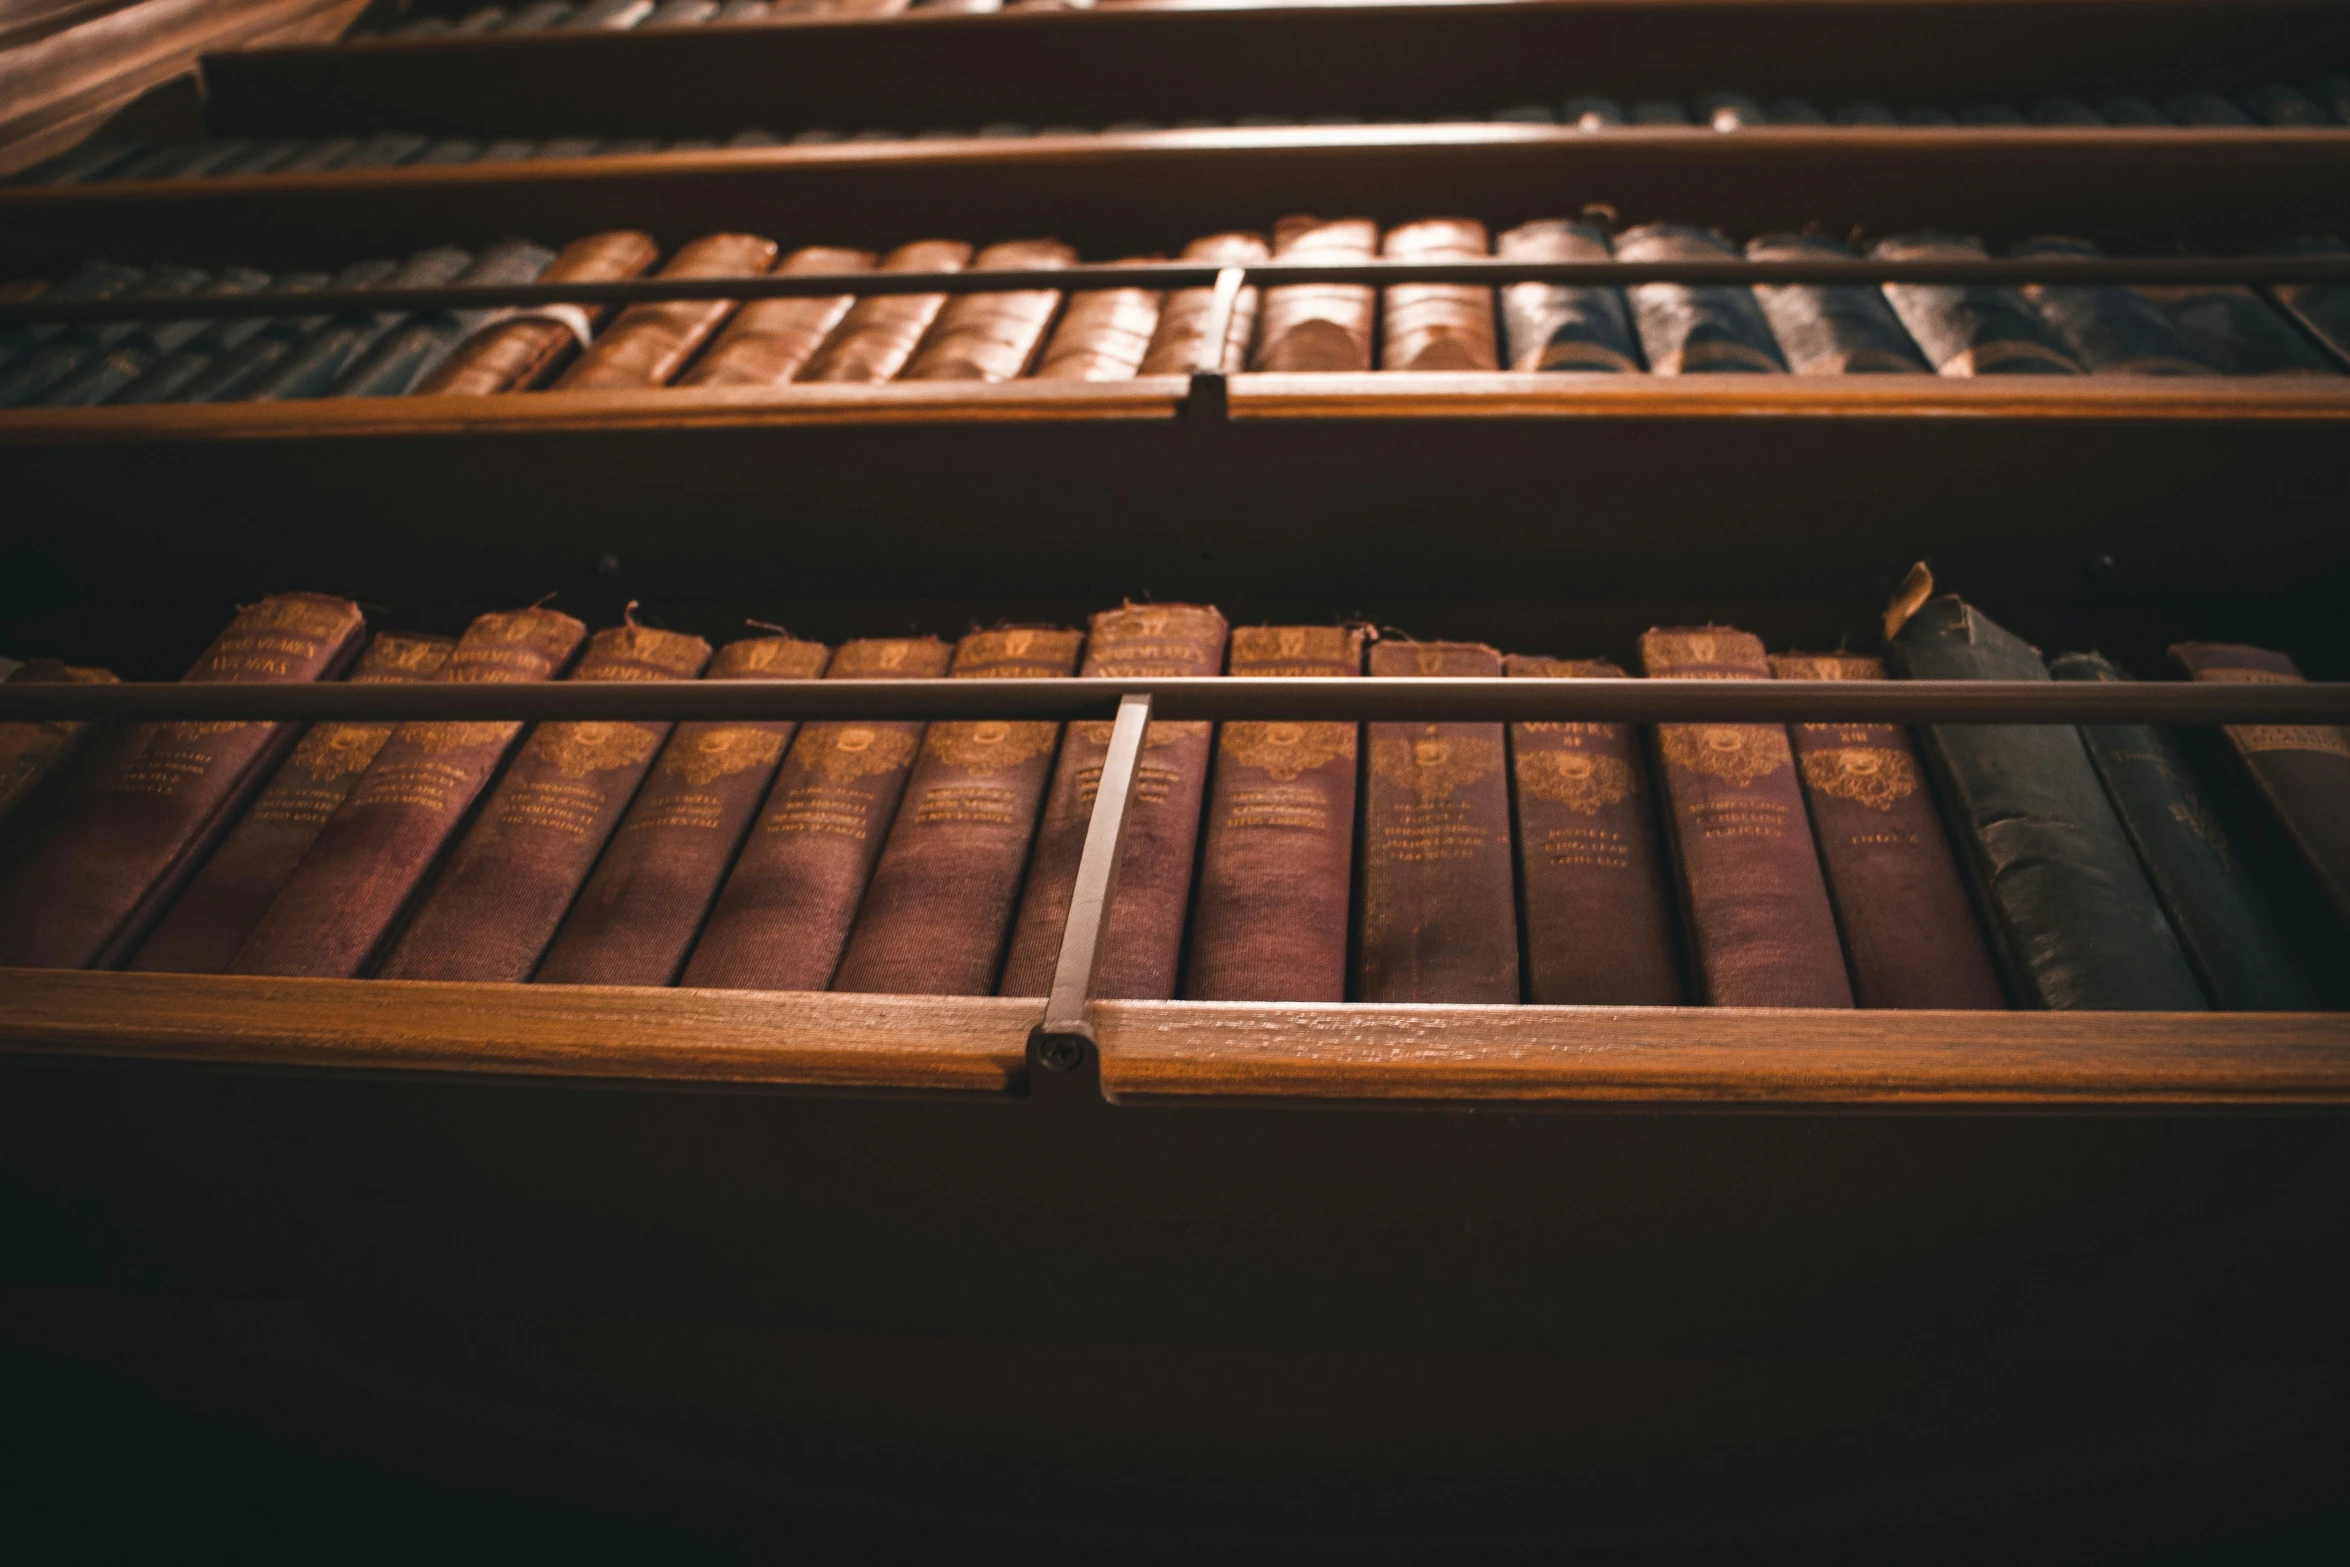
<point x="1210" y="397"/>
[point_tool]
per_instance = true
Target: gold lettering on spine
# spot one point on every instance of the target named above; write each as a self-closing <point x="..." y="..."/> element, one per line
<point x="1286" y="750"/>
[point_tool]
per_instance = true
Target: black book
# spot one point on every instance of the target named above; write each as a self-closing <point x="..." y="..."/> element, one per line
<point x="141" y="349"/>
<point x="329" y="352"/>
<point x="31" y="375"/>
<point x="170" y="377"/>
<point x="245" y="361"/>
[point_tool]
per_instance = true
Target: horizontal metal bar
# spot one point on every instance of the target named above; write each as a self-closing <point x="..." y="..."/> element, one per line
<point x="1368" y="700"/>
<point x="2166" y="270"/>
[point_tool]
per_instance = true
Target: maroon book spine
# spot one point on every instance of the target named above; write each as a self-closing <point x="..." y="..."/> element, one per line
<point x="1142" y="941"/>
<point x="211" y="919"/>
<point x="935" y="917"/>
<point x="31" y="753"/>
<point x="1440" y="906"/>
<point x="513" y="876"/>
<point x="1761" y="931"/>
<point x="1911" y="938"/>
<point x="639" y="912"/>
<point x="1276" y="873"/>
<point x="1599" y="911"/>
<point x="343" y="899"/>
<point x="161" y="794"/>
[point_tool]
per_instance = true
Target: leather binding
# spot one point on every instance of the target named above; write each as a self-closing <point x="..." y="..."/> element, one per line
<point x="161" y="793"/>
<point x="1831" y="329"/>
<point x="345" y="896"/>
<point x="129" y="359"/>
<point x="1103" y="334"/>
<point x="2071" y="913"/>
<point x="880" y="332"/>
<point x="171" y="378"/>
<point x="512" y="877"/>
<point x="1911" y="938"/>
<point x="2234" y="330"/>
<point x="2110" y="329"/>
<point x="770" y="340"/>
<point x="646" y="345"/>
<point x="312" y="368"/>
<point x="940" y="903"/>
<point x="245" y="361"/>
<point x="1598" y="910"/>
<point x="1755" y="905"/>
<point x="209" y="921"/>
<point x="2231" y="933"/>
<point x="1179" y="344"/>
<point x="639" y="912"/>
<point x="33" y="752"/>
<point x="2323" y="309"/>
<point x="1553" y="326"/>
<point x="1970" y="328"/>
<point x="516" y="353"/>
<point x="1704" y="329"/>
<point x="1437" y="326"/>
<point x="993" y="337"/>
<point x="417" y="346"/>
<point x="1142" y="939"/>
<point x="1318" y="326"/>
<point x="1276" y="874"/>
<point x="1439" y="918"/>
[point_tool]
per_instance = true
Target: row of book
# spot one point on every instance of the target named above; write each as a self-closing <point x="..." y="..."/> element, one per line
<point x="1116" y="333"/>
<point x="1816" y="865"/>
<point x="532" y="16"/>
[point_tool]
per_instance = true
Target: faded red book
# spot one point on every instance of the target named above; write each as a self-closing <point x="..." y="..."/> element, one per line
<point x="208" y="922"/>
<point x="1319" y="326"/>
<point x="512" y="877"/>
<point x="880" y="332"/>
<point x="345" y="896"/>
<point x="639" y="912"/>
<point x="1142" y="940"/>
<point x="1911" y="938"/>
<point x="1599" y="911"/>
<point x="516" y="353"/>
<point x="1276" y="876"/>
<point x="770" y="340"/>
<point x="1437" y="326"/>
<point x="993" y="337"/>
<point x="1761" y="931"/>
<point x="1179" y="343"/>
<point x="648" y="344"/>
<point x="1439" y="901"/>
<point x="160" y="795"/>
<point x="940" y="904"/>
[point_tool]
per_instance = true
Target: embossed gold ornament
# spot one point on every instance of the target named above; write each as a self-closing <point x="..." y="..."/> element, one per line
<point x="1582" y="781"/>
<point x="2291" y="737"/>
<point x="1286" y="750"/>
<point x="299" y="616"/>
<point x="334" y="751"/>
<point x="718" y="753"/>
<point x="438" y="735"/>
<point x="1736" y="754"/>
<point x="1433" y="766"/>
<point x="1866" y="775"/>
<point x="1165" y="732"/>
<point x="990" y="745"/>
<point x="576" y="750"/>
<point x="844" y="753"/>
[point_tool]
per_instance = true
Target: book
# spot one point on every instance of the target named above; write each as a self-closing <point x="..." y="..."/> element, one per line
<point x="1142" y="939"/>
<point x="940" y="903"/>
<point x="770" y="340"/>
<point x="515" y="353"/>
<point x="1102" y="335"/>
<point x="2321" y="309"/>
<point x="880" y="332"/>
<point x="312" y="368"/>
<point x="1833" y="328"/>
<point x="993" y="337"/>
<point x="1598" y="909"/>
<point x="1969" y="328"/>
<point x="248" y="361"/>
<point x="1439" y="916"/>
<point x="1696" y="329"/>
<point x="1437" y="326"/>
<point x="1318" y="326"/>
<point x="207" y="922"/>
<point x="161" y="794"/>
<point x="173" y="373"/>
<point x="2235" y="331"/>
<point x="2238" y="946"/>
<point x="31" y="753"/>
<point x="1179" y="343"/>
<point x="69" y="346"/>
<point x="416" y="347"/>
<point x="344" y="898"/>
<point x="2072" y="916"/>
<point x="1276" y="875"/>
<point x="646" y="345"/>
<point x="512" y="876"/>
<point x="131" y="356"/>
<point x="785" y="911"/>
<point x="1557" y="326"/>
<point x="1754" y="902"/>
<point x="1911" y="937"/>
<point x="2110" y="329"/>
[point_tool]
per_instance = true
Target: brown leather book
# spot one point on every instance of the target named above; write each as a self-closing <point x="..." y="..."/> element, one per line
<point x="515" y="354"/>
<point x="507" y="885"/>
<point x="881" y="331"/>
<point x="160" y="794"/>
<point x="1911" y="938"/>
<point x="1556" y="326"/>
<point x="993" y="337"/>
<point x="639" y="912"/>
<point x="1319" y="326"/>
<point x="347" y="893"/>
<point x="208" y="922"/>
<point x="1179" y="344"/>
<point x="1437" y="326"/>
<point x="1142" y="941"/>
<point x="1599" y="912"/>
<point x="1440" y="905"/>
<point x="1276" y="874"/>
<point x="940" y="904"/>
<point x="1761" y="931"/>
<point x="649" y="344"/>
<point x="1103" y="334"/>
<point x="33" y="752"/>
<point x="770" y="340"/>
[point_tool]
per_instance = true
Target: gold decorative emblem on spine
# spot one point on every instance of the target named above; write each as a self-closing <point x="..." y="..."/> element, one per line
<point x="2247" y="677"/>
<point x="197" y="731"/>
<point x="1736" y="754"/>
<point x="2290" y="737"/>
<point x="576" y="750"/>
<point x="1286" y="750"/>
<point x="1165" y="732"/>
<point x="844" y="753"/>
<point x="301" y="617"/>
<point x="1581" y="781"/>
<point x="438" y="735"/>
<point x="335" y="751"/>
<point x="718" y="753"/>
<point x="990" y="745"/>
<point x="1866" y="775"/>
<point x="1433" y="766"/>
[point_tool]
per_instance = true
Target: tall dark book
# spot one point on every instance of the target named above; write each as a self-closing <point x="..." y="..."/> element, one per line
<point x="1437" y="326"/>
<point x="1142" y="940"/>
<point x="770" y="340"/>
<point x="646" y="345"/>
<point x="1559" y="326"/>
<point x="1179" y="343"/>
<point x="1831" y="328"/>
<point x="1970" y="328"/>
<point x="1318" y="326"/>
<point x="515" y="353"/>
<point x="993" y="337"/>
<point x="881" y="331"/>
<point x="1696" y="329"/>
<point x="2111" y="329"/>
<point x="2236" y="331"/>
<point x="162" y="793"/>
<point x="2322" y="309"/>
<point x="31" y="753"/>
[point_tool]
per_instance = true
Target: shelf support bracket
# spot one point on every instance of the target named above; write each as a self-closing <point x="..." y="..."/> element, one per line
<point x="1064" y="1058"/>
<point x="1209" y="399"/>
